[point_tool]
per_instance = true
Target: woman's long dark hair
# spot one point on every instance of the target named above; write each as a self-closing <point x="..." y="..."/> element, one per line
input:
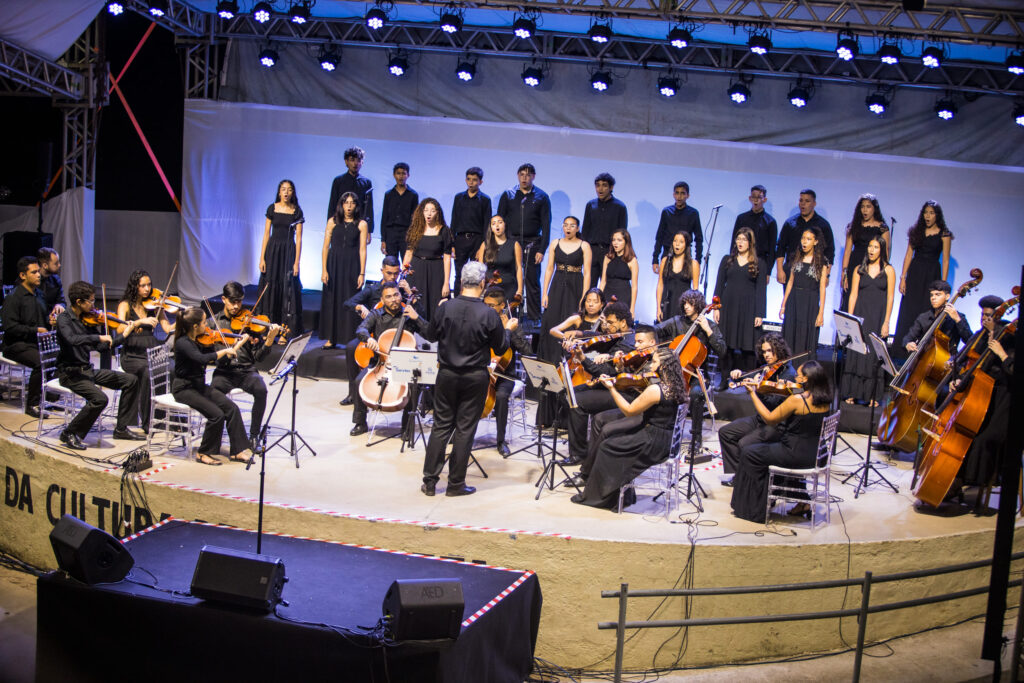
<point x="752" y="265"/>
<point x="916" y="232"/>
<point x="627" y="251"/>
<point x="339" y="209"/>
<point x="295" y="195"/>
<point x="818" y="261"/>
<point x="419" y="223"/>
<point x="819" y="383"/>
<point x="491" y="245"/>
<point x="687" y="259"/>
<point x="671" y="375"/>
<point x="882" y="260"/>
<point x="187" y="319"/>
<point x="856" y="227"/>
<point x="131" y="290"/>
<point x="583" y="302"/>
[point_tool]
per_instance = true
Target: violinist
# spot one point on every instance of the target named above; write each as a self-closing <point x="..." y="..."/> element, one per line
<point x="745" y="431"/>
<point x="75" y="371"/>
<point x="239" y="371"/>
<point x="134" y="359"/>
<point x="364" y="301"/>
<point x="955" y="326"/>
<point x="369" y="331"/>
<point x="495" y="298"/>
<point x="189" y="387"/>
<point x="692" y="304"/>
<point x="982" y="462"/>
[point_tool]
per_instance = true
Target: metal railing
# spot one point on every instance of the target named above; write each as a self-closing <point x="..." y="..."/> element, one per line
<point x="624" y="594"/>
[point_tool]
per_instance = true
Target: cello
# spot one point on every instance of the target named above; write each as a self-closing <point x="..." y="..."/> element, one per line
<point x="499" y="364"/>
<point x="362" y="354"/>
<point x="956" y="422"/>
<point x="917" y="382"/>
<point x="377" y="389"/>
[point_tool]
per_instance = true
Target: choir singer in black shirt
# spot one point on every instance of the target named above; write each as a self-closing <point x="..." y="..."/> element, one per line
<point x="764" y="227"/>
<point x="526" y="210"/>
<point x="470" y="216"/>
<point x="467" y="331"/>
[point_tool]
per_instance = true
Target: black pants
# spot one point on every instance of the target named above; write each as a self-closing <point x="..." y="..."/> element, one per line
<point x="740" y="434"/>
<point x="251" y="383"/>
<point x="466" y="246"/>
<point x="502" y="393"/>
<point x="139" y="368"/>
<point x="589" y="401"/>
<point x="218" y="409"/>
<point x="84" y="381"/>
<point x="697" y="404"/>
<point x="531" y="281"/>
<point x="597" y="254"/>
<point x="394" y="241"/>
<point x="28" y="355"/>
<point x="352" y="368"/>
<point x="458" y="398"/>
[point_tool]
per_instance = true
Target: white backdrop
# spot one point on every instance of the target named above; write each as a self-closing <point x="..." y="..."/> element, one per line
<point x="235" y="154"/>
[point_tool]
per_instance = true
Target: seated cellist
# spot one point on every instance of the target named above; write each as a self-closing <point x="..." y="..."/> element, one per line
<point x="954" y="326"/>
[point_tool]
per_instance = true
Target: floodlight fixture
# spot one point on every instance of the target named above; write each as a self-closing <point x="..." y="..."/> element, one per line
<point x="932" y="57"/>
<point x="679" y="38"/>
<point x="227" y="9"/>
<point x="262" y="12"/>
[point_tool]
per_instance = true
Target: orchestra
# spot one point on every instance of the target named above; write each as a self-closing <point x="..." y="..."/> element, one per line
<point x="948" y="403"/>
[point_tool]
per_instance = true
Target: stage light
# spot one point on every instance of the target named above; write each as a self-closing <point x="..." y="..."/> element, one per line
<point x="398" y="65"/>
<point x="157" y="8"/>
<point x="524" y="28"/>
<point x="451" y="22"/>
<point x="299" y="13"/>
<point x="329" y="58"/>
<point x="227" y="9"/>
<point x="679" y="38"/>
<point x="739" y="93"/>
<point x="600" y="33"/>
<point x="466" y="71"/>
<point x="798" y="96"/>
<point x="846" y="47"/>
<point x="262" y="12"/>
<point x="1018" y="114"/>
<point x="890" y="54"/>
<point x="376" y="18"/>
<point x="759" y="44"/>
<point x="945" y="109"/>
<point x="601" y="81"/>
<point x="115" y="8"/>
<point x="932" y="57"/>
<point x="876" y="103"/>
<point x="532" y="76"/>
<point x="269" y="57"/>
<point x="1015" y="64"/>
<point x="668" y="86"/>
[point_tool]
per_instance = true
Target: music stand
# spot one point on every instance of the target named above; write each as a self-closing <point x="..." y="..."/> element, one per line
<point x="415" y="367"/>
<point x="544" y="376"/>
<point x="850" y="336"/>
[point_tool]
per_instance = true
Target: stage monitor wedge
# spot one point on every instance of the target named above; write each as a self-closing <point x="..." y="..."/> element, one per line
<point x="240" y="578"/>
<point x="87" y="553"/>
<point x="424" y="609"/>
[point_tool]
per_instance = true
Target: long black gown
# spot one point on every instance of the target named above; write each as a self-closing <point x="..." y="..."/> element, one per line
<point x="673" y="284"/>
<point x="925" y="267"/>
<point x="743" y="299"/>
<point x="564" y="294"/>
<point x="802" y="310"/>
<point x="797" y="448"/>
<point x="858" y="373"/>
<point x="428" y="268"/>
<point x="618" y="281"/>
<point x="337" y="323"/>
<point x="282" y="301"/>
<point x="627" y="453"/>
<point x="505" y="264"/>
<point x="860" y="249"/>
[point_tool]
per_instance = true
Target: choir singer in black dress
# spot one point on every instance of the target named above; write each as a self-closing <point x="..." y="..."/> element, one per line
<point x="467" y="330"/>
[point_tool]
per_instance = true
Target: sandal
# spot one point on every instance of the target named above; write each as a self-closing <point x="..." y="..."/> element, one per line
<point x="241" y="457"/>
<point x="848" y="401"/>
<point x="204" y="459"/>
<point x="328" y="346"/>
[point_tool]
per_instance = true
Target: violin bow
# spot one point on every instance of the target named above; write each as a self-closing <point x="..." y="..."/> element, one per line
<point x="215" y="325"/>
<point x="106" y="328"/>
<point x="163" y="295"/>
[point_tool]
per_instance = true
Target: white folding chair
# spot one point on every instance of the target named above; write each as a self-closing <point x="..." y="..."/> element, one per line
<point x="167" y="416"/>
<point x="661" y="481"/>
<point x="13" y="376"/>
<point x="65" y="401"/>
<point x="809" y="485"/>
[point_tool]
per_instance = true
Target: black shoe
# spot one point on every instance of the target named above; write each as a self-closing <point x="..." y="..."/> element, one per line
<point x="127" y="435"/>
<point x="32" y="411"/>
<point x="347" y="401"/>
<point x="72" y="441"/>
<point x="727" y="482"/>
<point x="255" y="445"/>
<point x="577" y="480"/>
<point x="577" y="498"/>
<point x="427" y="489"/>
<point x="503" y="449"/>
<point x="460" y="491"/>
<point x="571" y="460"/>
<point x="360" y="428"/>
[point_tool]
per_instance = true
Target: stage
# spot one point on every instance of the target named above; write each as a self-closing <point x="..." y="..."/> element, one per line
<point x="369" y="495"/>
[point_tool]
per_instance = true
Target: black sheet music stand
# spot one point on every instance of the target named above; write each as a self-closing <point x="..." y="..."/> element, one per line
<point x="544" y="376"/>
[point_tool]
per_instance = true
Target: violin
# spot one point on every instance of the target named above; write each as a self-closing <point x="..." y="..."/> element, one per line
<point x="768" y="370"/>
<point x="627" y="380"/>
<point x="95" y="318"/>
<point x="211" y="337"/>
<point x="638" y="357"/>
<point x="583" y="344"/>
<point x="159" y="300"/>
<point x="247" y="321"/>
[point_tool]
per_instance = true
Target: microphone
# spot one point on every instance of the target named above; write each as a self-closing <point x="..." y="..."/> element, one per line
<point x="717" y="206"/>
<point x="892" y="219"/>
<point x="284" y="372"/>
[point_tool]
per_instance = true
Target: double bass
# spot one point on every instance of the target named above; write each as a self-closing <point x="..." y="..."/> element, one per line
<point x="957" y="421"/>
<point x="377" y="389"/>
<point x="917" y="383"/>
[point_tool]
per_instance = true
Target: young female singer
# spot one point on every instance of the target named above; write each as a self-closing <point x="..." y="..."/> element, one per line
<point x="803" y="306"/>
<point x="866" y="225"/>
<point x="504" y="256"/>
<point x="677" y="273"/>
<point x="343" y="264"/>
<point x="620" y="270"/>
<point x="429" y="253"/>
<point x="871" y="295"/>
<point x="279" y="259"/>
<point x="741" y="287"/>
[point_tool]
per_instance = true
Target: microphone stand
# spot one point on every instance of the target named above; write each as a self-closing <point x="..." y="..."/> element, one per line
<point x="707" y="253"/>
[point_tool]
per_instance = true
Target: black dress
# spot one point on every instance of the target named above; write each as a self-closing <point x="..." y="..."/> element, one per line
<point x="802" y="310"/>
<point x="860" y="249"/>
<point x="618" y="282"/>
<point x="282" y="301"/>
<point x="743" y="299"/>
<point x="924" y="268"/>
<point x="564" y="294"/>
<point x="428" y="268"/>
<point x="797" y="449"/>
<point x="337" y="323"/>
<point x="858" y="373"/>
<point x="505" y="264"/>
<point x="625" y="454"/>
<point x="673" y="284"/>
<point x="134" y="361"/>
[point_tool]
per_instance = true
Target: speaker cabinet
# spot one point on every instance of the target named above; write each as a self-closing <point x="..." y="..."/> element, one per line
<point x="236" y="577"/>
<point x="18" y="243"/>
<point x="87" y="553"/>
<point x="424" y="609"/>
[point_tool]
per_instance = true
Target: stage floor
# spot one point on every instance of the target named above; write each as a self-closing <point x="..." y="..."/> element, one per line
<point x="349" y="478"/>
